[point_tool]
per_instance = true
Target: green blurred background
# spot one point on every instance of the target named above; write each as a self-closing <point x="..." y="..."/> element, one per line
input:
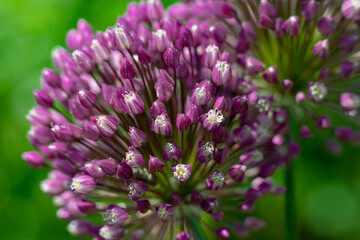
<point x="327" y="188"/>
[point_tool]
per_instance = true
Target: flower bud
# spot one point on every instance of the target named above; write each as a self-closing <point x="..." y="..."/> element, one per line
<point x="34" y="159"/>
<point x="183" y="236"/>
<point x="271" y="75"/>
<point x="124" y="171"/>
<point x="221" y="73"/>
<point x="162" y="125"/>
<point x="253" y="66"/>
<point x="107" y="124"/>
<point x="83" y="184"/>
<point x="43" y="99"/>
<point x="87" y="98"/>
<point x="165" y="211"/>
<point x="90" y="131"/>
<point x="326" y="25"/>
<point x="210" y="56"/>
<point x="291" y="26"/>
<point x="83" y="61"/>
<point x="127" y="70"/>
<point x="321" y="49"/>
<point x="177" y="199"/>
<point x="51" y="77"/>
<point x="182" y="172"/>
<point x="155" y="164"/>
<point x="183" y="122"/>
<point x="309" y="9"/>
<point x="172" y="152"/>
<point x="171" y="58"/>
<point x="123" y="38"/>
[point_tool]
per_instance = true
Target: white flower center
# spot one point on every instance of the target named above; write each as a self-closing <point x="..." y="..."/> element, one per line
<point x="161" y="120"/>
<point x="161" y="33"/>
<point x="133" y="187"/>
<point x="318" y="91"/>
<point x="130" y="156"/>
<point x="208" y="148"/>
<point x="181" y="172"/>
<point x="200" y="91"/>
<point x="222" y="66"/>
<point x="162" y="213"/>
<point x="129" y="96"/>
<point x="218" y="178"/>
<point x="215" y="116"/>
<point x="212" y="48"/>
<point x="263" y="105"/>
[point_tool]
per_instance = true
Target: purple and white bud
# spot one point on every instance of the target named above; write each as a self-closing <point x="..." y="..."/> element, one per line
<point x="206" y="152"/>
<point x="127" y="70"/>
<point x="164" y="211"/>
<point x="267" y="8"/>
<point x="66" y="133"/>
<point x="171" y="58"/>
<point x="43" y="99"/>
<point x="137" y="189"/>
<point x="326" y="25"/>
<point x="137" y="137"/>
<point x="251" y="157"/>
<point x="131" y="100"/>
<point x="183" y="122"/>
<point x="212" y="119"/>
<point x="237" y="172"/>
<point x="202" y="93"/>
<point x="99" y="51"/>
<point x="182" y="172"/>
<point x="51" y="78"/>
<point x="279" y="32"/>
<point x="271" y="75"/>
<point x="115" y="215"/>
<point x="160" y="40"/>
<point x="107" y="124"/>
<point x="34" y="159"/>
<point x="157" y="108"/>
<point x="83" y="60"/>
<point x="164" y="89"/>
<point x="291" y="26"/>
<point x="184" y="235"/>
<point x="109" y="232"/>
<point x="172" y="152"/>
<point x="93" y="169"/>
<point x="220" y="103"/>
<point x="321" y="49"/>
<point x="154" y="10"/>
<point x="162" y="125"/>
<point x="86" y="98"/>
<point x="39" y="116"/>
<point x="123" y="38"/>
<point x="80" y="228"/>
<point x="211" y="56"/>
<point x="193" y="112"/>
<point x="90" y="131"/>
<point x="300" y="96"/>
<point x="350" y="8"/>
<point x="83" y="184"/>
<point x="124" y="171"/>
<point x="253" y="66"/>
<point x="317" y="91"/>
<point x="155" y="164"/>
<point x="323" y="122"/>
<point x="215" y="181"/>
<point x="350" y="102"/>
<point x="309" y="9"/>
<point x="222" y="233"/>
<point x="287" y="84"/>
<point x="221" y="73"/>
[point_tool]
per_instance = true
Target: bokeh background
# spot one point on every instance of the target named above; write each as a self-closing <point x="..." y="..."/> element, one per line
<point x="327" y="188"/>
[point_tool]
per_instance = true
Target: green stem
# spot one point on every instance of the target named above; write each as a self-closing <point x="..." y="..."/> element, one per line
<point x="290" y="203"/>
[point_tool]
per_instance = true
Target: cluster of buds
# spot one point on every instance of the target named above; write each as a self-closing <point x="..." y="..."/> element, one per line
<point x="165" y="118"/>
<point x="302" y="53"/>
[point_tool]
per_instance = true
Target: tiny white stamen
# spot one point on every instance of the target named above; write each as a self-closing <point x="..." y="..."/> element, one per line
<point x="215" y="116"/>
<point x="161" y="120"/>
<point x="222" y="66"/>
<point x="212" y="48"/>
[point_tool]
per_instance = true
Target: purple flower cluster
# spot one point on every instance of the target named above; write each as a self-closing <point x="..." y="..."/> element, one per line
<point x="172" y="116"/>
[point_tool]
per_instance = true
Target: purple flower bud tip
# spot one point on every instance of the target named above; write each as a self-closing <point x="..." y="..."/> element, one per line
<point x="123" y="38"/>
<point x="221" y="73"/>
<point x="109" y="232"/>
<point x="172" y="152"/>
<point x="326" y="25"/>
<point x="83" y="61"/>
<point x="143" y="205"/>
<point x="300" y="96"/>
<point x="211" y="55"/>
<point x="137" y="137"/>
<point x="51" y="78"/>
<point x="253" y="66"/>
<point x="124" y="171"/>
<point x="309" y="9"/>
<point x="43" y="99"/>
<point x="162" y="125"/>
<point x="82" y="184"/>
<point x="90" y="131"/>
<point x="287" y="84"/>
<point x="115" y="215"/>
<point x="34" y="159"/>
<point x="271" y="74"/>
<point x="87" y="98"/>
<point x="182" y="172"/>
<point x="323" y="122"/>
<point x="107" y="124"/>
<point x="183" y="122"/>
<point x="222" y="233"/>
<point x="321" y="49"/>
<point x="155" y="164"/>
<point x="291" y="26"/>
<point x="137" y="189"/>
<point x="183" y="236"/>
<point x="171" y="58"/>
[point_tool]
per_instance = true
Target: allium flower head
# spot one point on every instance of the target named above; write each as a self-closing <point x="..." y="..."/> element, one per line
<point x="169" y="115"/>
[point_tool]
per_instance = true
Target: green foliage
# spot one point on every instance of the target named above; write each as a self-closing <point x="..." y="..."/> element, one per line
<point x="327" y="190"/>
